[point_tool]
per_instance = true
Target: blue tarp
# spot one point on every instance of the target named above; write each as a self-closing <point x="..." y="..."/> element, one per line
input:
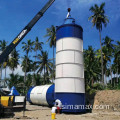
<point x="14" y="92"/>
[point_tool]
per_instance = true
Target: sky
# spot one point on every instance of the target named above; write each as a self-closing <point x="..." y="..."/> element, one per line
<point x="16" y="14"/>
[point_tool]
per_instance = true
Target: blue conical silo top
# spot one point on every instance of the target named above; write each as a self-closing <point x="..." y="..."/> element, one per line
<point x="69" y="28"/>
<point x="69" y="19"/>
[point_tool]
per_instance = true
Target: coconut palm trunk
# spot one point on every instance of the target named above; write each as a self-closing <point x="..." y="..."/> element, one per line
<point x="53" y="65"/>
<point x="105" y="78"/>
<point x="117" y="73"/>
<point x="111" y="72"/>
<point x="51" y="33"/>
<point x="33" y="80"/>
<point x="27" y="48"/>
<point x="101" y="58"/>
<point x="25" y="70"/>
<point x="98" y="19"/>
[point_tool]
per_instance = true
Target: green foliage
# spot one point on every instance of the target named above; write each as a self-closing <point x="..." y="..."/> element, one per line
<point x="27" y="67"/>
<point x="28" y="46"/>
<point x="91" y="66"/>
<point x="14" y="60"/>
<point x="17" y="81"/>
<point x="92" y="89"/>
<point x="39" y="79"/>
<point x="44" y="65"/>
<point x="118" y="87"/>
<point x="98" y="86"/>
<point x="89" y="90"/>
<point x="51" y="34"/>
<point x="109" y="87"/>
<point x="98" y="17"/>
<point x="3" y="45"/>
<point x="37" y="45"/>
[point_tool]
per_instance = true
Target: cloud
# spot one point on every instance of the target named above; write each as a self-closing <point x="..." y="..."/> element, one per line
<point x="18" y="70"/>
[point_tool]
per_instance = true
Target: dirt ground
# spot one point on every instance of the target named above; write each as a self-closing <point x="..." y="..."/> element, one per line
<point x="35" y="112"/>
<point x="105" y="97"/>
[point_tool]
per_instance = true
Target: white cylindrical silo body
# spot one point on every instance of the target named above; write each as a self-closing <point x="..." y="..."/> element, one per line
<point x="41" y="95"/>
<point x="38" y="95"/>
<point x="69" y="82"/>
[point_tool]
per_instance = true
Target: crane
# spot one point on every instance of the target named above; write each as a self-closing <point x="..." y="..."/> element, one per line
<point x="23" y="33"/>
<point x="20" y="36"/>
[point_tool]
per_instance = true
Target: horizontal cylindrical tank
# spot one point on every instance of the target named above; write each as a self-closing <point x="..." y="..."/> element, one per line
<point x="41" y="95"/>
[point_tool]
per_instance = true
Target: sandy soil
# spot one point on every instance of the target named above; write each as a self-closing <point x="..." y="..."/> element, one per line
<point x="108" y="97"/>
<point x="35" y="112"/>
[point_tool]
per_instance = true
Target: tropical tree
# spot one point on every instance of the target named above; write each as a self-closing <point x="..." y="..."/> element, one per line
<point x="39" y="79"/>
<point x="13" y="60"/>
<point x="106" y="58"/>
<point x="109" y="51"/>
<point x="37" y="46"/>
<point x="17" y="81"/>
<point x="116" y="60"/>
<point x="114" y="71"/>
<point x="51" y="33"/>
<point x="99" y="19"/>
<point x="3" y="45"/>
<point x="26" y="67"/>
<point x="27" y="47"/>
<point x="91" y="65"/>
<point x="44" y="64"/>
<point x="28" y="82"/>
<point x="13" y="80"/>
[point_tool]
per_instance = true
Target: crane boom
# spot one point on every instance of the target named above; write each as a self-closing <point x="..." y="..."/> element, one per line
<point x="24" y="32"/>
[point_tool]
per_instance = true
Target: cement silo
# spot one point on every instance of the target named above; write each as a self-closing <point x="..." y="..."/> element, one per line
<point x="41" y="95"/>
<point x="69" y="82"/>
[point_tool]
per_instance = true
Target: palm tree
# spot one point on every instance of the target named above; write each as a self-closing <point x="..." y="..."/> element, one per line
<point x="114" y="70"/>
<point x="51" y="33"/>
<point x="13" y="80"/>
<point x="109" y="47"/>
<point x="27" y="47"/>
<point x="98" y="19"/>
<point x="117" y="58"/>
<point x="3" y="45"/>
<point x="38" y="46"/>
<point x="91" y="65"/>
<point x="28" y="82"/>
<point x="14" y="60"/>
<point x="44" y="64"/>
<point x="26" y="67"/>
<point x="17" y="81"/>
<point x="106" y="58"/>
